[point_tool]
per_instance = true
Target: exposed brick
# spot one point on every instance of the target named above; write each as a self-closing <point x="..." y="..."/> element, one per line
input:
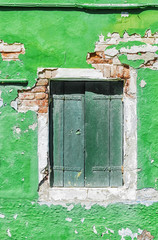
<point x="126" y="73"/>
<point x="106" y="71"/>
<point x="10" y="56"/>
<point x="43" y="110"/>
<point x="26" y="96"/>
<point x="42" y="103"/>
<point x="41" y="75"/>
<point x="40" y="95"/>
<point x="120" y="70"/>
<point x="42" y="82"/>
<point x="48" y="74"/>
<point x="113" y="71"/>
<point x="38" y="89"/>
<point x="29" y="103"/>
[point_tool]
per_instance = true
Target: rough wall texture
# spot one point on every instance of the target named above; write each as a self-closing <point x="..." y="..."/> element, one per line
<point x="63" y="39"/>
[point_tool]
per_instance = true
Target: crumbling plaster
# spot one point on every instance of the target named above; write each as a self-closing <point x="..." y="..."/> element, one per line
<point x="107" y="64"/>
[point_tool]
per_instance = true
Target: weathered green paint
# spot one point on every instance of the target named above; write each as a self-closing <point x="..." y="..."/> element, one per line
<point x="42" y="222"/>
<point x="147" y="129"/>
<point x="57" y="38"/>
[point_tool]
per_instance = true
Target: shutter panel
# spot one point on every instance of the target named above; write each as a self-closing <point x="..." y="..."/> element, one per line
<point x="97" y="134"/>
<point x="116" y="141"/>
<point x="74" y="135"/>
<point x="58" y="110"/>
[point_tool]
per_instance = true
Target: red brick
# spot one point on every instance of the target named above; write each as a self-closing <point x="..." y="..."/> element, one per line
<point x="42" y="82"/>
<point x="42" y="103"/>
<point x="29" y="103"/>
<point x="40" y="95"/>
<point x="43" y="110"/>
<point x="38" y="89"/>
<point x="26" y="96"/>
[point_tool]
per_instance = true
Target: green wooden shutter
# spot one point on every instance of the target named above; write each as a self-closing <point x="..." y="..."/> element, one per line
<point x="68" y="128"/>
<point x="97" y="134"/>
<point x="103" y="133"/>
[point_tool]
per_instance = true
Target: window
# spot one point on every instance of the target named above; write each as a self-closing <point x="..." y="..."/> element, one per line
<point x="86" y="133"/>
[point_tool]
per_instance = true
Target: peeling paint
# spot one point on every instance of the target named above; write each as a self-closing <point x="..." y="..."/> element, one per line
<point x="127" y="232"/>
<point x="94" y="230"/>
<point x="2" y="215"/>
<point x="15" y="216"/>
<point x="142" y="83"/>
<point x="8" y="232"/>
<point x="33" y="126"/>
<point x="68" y="219"/>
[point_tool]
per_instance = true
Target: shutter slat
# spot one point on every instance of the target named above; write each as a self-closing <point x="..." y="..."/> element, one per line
<point x="58" y="106"/>
<point x="74" y="136"/>
<point x="96" y="134"/>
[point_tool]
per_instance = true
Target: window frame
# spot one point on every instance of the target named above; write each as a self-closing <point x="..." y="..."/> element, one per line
<point x="123" y="193"/>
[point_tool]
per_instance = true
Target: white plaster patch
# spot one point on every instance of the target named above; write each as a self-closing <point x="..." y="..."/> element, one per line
<point x="140" y="231"/>
<point x="124" y="14"/>
<point x="33" y="126"/>
<point x="127" y="232"/>
<point x="15" y="216"/>
<point x="1" y="100"/>
<point x="101" y="38"/>
<point x="94" y="230"/>
<point x="70" y="207"/>
<point x="8" y="232"/>
<point x="2" y="215"/>
<point x="142" y="83"/>
<point x="68" y="219"/>
<point x="109" y="230"/>
<point x="42" y="143"/>
<point x="14" y="104"/>
<point x="111" y="52"/>
<point x="17" y="130"/>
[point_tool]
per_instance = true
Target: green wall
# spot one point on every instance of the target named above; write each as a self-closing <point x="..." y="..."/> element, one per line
<point x="62" y="38"/>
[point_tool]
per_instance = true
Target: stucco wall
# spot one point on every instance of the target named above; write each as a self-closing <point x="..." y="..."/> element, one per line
<point x="55" y="38"/>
